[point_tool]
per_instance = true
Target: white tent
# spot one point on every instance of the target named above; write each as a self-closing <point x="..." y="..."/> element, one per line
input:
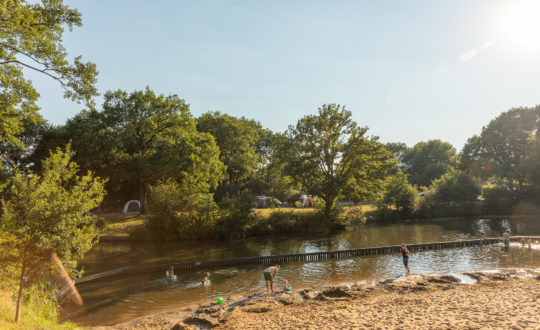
<point x="132" y="207"/>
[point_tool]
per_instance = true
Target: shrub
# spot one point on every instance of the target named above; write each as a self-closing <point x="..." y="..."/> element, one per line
<point x="176" y="212"/>
<point x="455" y="186"/>
<point x="498" y="199"/>
<point x="235" y="215"/>
<point x="399" y="194"/>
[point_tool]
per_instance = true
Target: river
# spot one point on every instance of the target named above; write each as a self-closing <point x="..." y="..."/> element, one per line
<point x="122" y="299"/>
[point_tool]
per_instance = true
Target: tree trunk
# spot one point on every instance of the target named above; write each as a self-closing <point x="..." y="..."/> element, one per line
<point x="21" y="285"/>
<point x="142" y="196"/>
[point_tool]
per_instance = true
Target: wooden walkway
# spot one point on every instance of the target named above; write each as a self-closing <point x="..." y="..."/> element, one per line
<point x="280" y="259"/>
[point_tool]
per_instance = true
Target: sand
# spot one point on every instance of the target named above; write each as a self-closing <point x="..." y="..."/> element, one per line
<point x="497" y="300"/>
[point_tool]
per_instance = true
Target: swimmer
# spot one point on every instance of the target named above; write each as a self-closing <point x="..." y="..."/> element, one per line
<point x="170" y="274"/>
<point x="206" y="280"/>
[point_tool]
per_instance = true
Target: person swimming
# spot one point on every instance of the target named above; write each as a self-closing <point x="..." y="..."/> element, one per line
<point x="206" y="280"/>
<point x="170" y="274"/>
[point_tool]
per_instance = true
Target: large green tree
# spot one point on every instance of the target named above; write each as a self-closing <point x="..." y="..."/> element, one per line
<point x="31" y="39"/>
<point x="47" y="213"/>
<point x="140" y="138"/>
<point x="502" y="145"/>
<point x="238" y="141"/>
<point x="332" y="157"/>
<point x="427" y="161"/>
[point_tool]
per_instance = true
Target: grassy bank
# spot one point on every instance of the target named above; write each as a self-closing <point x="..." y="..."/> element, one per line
<point x="34" y="315"/>
<point x="118" y="224"/>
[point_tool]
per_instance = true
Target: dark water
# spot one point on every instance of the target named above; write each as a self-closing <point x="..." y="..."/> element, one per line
<point x="122" y="299"/>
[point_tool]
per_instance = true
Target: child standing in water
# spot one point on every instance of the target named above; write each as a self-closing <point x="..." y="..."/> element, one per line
<point x="405" y="254"/>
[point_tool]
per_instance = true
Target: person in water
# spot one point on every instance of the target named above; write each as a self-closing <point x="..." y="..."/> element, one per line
<point x="269" y="275"/>
<point x="405" y="254"/>
<point x="206" y="280"/>
<point x="506" y="239"/>
<point x="483" y="234"/>
<point x="170" y="274"/>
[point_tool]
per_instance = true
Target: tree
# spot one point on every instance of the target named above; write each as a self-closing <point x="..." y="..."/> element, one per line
<point x="141" y="138"/>
<point x="31" y="39"/>
<point x="429" y="160"/>
<point x="48" y="213"/>
<point x="238" y="140"/>
<point x="331" y="156"/>
<point x="400" y="150"/>
<point x="399" y="193"/>
<point x="503" y="144"/>
<point x="455" y="186"/>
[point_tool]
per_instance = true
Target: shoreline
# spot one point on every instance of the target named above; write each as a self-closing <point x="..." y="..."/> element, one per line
<point x="497" y="299"/>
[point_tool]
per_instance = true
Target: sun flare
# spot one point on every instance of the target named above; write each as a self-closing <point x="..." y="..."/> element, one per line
<point x="521" y="22"/>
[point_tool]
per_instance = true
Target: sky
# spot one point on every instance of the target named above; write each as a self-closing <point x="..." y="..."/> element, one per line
<point x="411" y="71"/>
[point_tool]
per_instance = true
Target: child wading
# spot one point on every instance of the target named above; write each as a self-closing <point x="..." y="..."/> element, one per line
<point x="269" y="274"/>
<point x="405" y="254"/>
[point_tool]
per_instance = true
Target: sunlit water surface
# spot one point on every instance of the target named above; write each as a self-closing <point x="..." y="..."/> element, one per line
<point x="122" y="299"/>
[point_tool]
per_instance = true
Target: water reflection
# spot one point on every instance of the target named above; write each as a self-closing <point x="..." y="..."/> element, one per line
<point x="121" y="299"/>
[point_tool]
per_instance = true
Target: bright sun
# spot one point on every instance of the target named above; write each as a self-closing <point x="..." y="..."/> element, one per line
<point x="522" y="22"/>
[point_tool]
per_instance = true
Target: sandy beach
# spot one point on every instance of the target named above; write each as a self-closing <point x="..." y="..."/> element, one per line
<point x="496" y="300"/>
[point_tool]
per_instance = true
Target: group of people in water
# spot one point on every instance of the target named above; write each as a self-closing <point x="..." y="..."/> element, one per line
<point x="270" y="273"/>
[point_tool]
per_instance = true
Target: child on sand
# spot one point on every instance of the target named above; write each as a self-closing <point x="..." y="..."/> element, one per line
<point x="405" y="254"/>
<point x="285" y="285"/>
<point x="269" y="274"/>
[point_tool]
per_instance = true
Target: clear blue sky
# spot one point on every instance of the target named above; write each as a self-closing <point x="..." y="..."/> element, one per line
<point x="409" y="70"/>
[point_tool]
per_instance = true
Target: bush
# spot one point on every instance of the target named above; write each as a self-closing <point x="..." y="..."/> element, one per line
<point x="455" y="186"/>
<point x="498" y="199"/>
<point x="177" y="213"/>
<point x="235" y="215"/>
<point x="399" y="194"/>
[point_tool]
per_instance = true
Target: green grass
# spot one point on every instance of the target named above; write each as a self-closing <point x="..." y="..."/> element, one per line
<point x="118" y="224"/>
<point x="33" y="316"/>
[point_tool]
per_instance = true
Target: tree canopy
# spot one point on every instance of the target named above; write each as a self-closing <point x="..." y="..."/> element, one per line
<point x="502" y="145"/>
<point x="429" y="160"/>
<point x="31" y="39"/>
<point x="238" y="141"/>
<point x="331" y="156"/>
<point x="48" y="213"/>
<point x="140" y="138"/>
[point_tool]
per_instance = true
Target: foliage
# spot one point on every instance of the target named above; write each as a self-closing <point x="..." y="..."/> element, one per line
<point x="454" y="186"/>
<point x="271" y="177"/>
<point x="498" y="199"/>
<point x="177" y="212"/>
<point x="427" y="161"/>
<point x="503" y="145"/>
<point x="40" y="310"/>
<point x="331" y="157"/>
<point x="399" y="194"/>
<point x="46" y="213"/>
<point x="237" y="139"/>
<point x="31" y="38"/>
<point x="235" y="216"/>
<point x="530" y="167"/>
<point x="140" y="139"/>
<point x="400" y="150"/>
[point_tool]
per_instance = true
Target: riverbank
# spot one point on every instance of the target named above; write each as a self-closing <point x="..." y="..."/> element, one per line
<point x="497" y="300"/>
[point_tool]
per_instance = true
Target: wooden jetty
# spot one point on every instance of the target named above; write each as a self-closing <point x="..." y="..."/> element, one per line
<point x="281" y="259"/>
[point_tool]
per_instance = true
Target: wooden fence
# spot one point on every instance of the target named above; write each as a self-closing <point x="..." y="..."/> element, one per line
<point x="280" y="259"/>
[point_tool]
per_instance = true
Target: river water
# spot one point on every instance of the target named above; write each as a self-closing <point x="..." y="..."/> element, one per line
<point x="122" y="299"/>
